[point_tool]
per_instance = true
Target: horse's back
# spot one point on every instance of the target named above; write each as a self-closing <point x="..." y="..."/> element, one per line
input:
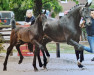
<point x="54" y="31"/>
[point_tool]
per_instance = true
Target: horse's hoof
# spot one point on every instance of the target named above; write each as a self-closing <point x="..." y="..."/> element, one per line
<point x="40" y="65"/>
<point x="20" y="61"/>
<point x="44" y="67"/>
<point x="4" y="69"/>
<point x="35" y="69"/>
<point x="80" y="66"/>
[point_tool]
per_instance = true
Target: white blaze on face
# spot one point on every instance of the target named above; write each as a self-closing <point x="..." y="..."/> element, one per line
<point x="89" y="1"/>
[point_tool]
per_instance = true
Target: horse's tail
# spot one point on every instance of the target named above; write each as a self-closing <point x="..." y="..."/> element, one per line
<point x="13" y="24"/>
<point x="30" y="47"/>
<point x="13" y="38"/>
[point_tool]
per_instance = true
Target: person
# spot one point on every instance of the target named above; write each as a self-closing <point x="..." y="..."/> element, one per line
<point x="29" y="19"/>
<point x="90" y="35"/>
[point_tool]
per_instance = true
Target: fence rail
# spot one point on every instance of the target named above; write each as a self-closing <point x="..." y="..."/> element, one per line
<point x="5" y="31"/>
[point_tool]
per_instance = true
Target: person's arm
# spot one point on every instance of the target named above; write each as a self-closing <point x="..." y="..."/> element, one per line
<point x="27" y="23"/>
<point x="32" y="20"/>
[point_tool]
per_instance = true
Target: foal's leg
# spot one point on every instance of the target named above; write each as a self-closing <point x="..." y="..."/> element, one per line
<point x="47" y="53"/>
<point x="30" y="46"/>
<point x="34" y="60"/>
<point x="38" y="55"/>
<point x="9" y="49"/>
<point x="42" y="49"/>
<point x="21" y="56"/>
<point x="44" y="42"/>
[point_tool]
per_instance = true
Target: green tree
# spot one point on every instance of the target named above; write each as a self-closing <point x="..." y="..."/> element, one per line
<point x="20" y="6"/>
<point x="4" y="4"/>
<point x="46" y="4"/>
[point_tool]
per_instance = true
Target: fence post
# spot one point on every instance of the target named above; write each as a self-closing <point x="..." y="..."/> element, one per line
<point x="58" y="50"/>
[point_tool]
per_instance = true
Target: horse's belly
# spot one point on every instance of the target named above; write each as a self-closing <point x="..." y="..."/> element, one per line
<point x="57" y="38"/>
<point x="25" y="37"/>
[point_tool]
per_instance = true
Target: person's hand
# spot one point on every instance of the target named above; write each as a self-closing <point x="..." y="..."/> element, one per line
<point x="82" y="25"/>
<point x="25" y="23"/>
<point x="83" y="22"/>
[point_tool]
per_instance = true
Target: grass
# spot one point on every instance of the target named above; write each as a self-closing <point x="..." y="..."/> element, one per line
<point x="64" y="48"/>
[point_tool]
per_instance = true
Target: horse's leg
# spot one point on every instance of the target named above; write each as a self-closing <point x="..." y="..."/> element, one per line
<point x="9" y="49"/>
<point x="44" y="42"/>
<point x="42" y="49"/>
<point x="47" y="53"/>
<point x="79" y="56"/>
<point x="38" y="55"/>
<point x="81" y="59"/>
<point x="21" y="56"/>
<point x="34" y="60"/>
<point x="30" y="47"/>
<point x="75" y="44"/>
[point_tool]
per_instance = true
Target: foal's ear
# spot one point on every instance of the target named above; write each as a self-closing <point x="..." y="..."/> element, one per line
<point x="45" y="11"/>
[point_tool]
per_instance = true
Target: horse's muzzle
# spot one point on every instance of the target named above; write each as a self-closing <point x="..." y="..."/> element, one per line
<point x="89" y="24"/>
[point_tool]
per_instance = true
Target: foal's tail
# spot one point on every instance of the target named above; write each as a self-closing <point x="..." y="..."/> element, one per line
<point x="13" y="24"/>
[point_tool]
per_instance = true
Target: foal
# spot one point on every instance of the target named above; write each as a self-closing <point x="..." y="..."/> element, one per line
<point x="32" y="34"/>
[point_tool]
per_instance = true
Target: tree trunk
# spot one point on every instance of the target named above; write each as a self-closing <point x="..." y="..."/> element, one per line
<point x="37" y="7"/>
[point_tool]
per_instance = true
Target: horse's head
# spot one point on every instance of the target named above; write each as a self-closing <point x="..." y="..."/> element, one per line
<point x="85" y="13"/>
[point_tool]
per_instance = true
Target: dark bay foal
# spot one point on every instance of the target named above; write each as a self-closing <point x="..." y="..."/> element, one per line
<point x="33" y="35"/>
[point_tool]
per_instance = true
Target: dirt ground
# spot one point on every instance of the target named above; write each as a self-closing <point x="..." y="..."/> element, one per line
<point x="56" y="66"/>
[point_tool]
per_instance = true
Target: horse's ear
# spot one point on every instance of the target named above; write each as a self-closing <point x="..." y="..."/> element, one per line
<point x="88" y="3"/>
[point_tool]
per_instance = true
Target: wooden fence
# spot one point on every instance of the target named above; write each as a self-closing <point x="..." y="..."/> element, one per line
<point x="5" y="31"/>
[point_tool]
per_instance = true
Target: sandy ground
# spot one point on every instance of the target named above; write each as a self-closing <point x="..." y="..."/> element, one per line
<point x="66" y="65"/>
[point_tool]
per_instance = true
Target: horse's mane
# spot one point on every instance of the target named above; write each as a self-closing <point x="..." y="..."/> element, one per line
<point x="74" y="8"/>
<point x="36" y="20"/>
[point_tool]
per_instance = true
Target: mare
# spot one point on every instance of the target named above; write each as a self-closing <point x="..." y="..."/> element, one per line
<point x="21" y="35"/>
<point x="67" y="29"/>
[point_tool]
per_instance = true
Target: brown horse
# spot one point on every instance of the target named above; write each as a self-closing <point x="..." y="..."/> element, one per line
<point x="21" y="35"/>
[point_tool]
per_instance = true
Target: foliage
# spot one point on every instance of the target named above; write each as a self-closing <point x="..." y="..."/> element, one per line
<point x="92" y="5"/>
<point x="76" y="1"/>
<point x="20" y="6"/>
<point x="4" y="4"/>
<point x="52" y="5"/>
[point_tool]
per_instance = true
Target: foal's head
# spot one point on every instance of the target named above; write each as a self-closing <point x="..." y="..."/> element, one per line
<point x="41" y="19"/>
<point x="85" y="13"/>
<point x="44" y="18"/>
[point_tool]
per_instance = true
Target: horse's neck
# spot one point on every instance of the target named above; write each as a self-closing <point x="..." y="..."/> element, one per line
<point x="75" y="15"/>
